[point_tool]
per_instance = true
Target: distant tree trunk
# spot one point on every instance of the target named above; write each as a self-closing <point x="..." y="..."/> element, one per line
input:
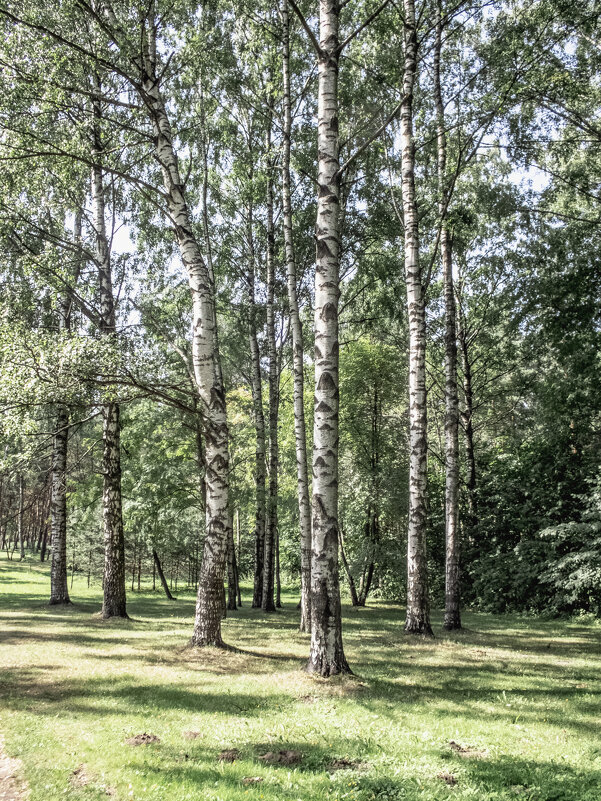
<point x="278" y="578"/>
<point x="133" y="568"/>
<point x="271" y="531"/>
<point x="59" y="593"/>
<point x="300" y="432"/>
<point x="452" y="616"/>
<point x="347" y="569"/>
<point x="163" y="580"/>
<point x="418" y="608"/>
<point x="44" y="545"/>
<point x="468" y="427"/>
<point x="20" y="518"/>
<point x="238" y="592"/>
<point x="259" y="418"/>
<point x="327" y="652"/>
<point x="231" y="569"/>
<point x="114" y="603"/>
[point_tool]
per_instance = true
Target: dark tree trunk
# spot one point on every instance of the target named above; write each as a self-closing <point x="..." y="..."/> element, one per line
<point x="231" y="570"/>
<point x="114" y="602"/>
<point x="59" y="593"/>
<point x="163" y="580"/>
<point x="347" y="570"/>
<point x="20" y="518"/>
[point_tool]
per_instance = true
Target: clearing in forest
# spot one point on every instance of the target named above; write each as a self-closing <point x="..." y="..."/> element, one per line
<point x="508" y="709"/>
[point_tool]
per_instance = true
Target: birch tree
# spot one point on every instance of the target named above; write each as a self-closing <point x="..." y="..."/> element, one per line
<point x="418" y="607"/>
<point x="452" y="619"/>
<point x="300" y="432"/>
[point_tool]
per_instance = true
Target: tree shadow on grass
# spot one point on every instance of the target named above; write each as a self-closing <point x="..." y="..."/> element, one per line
<point x="533" y="779"/>
<point x="39" y="692"/>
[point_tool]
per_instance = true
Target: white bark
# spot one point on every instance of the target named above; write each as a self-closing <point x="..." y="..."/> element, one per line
<point x="205" y="358"/>
<point x="452" y="617"/>
<point x="300" y="431"/>
<point x="114" y="597"/>
<point x="327" y="654"/>
<point x="418" y="612"/>
<point x="271" y="532"/>
<point x="258" y="415"/>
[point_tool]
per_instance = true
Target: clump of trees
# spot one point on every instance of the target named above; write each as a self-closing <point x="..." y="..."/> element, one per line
<point x="292" y="284"/>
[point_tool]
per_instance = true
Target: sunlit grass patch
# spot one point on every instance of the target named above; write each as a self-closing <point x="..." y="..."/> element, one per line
<point x="508" y="709"/>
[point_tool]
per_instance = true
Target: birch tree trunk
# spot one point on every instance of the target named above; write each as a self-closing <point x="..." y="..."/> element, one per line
<point x="271" y="532"/>
<point x="20" y="518"/>
<point x="468" y="427"/>
<point x="300" y="431"/>
<point x="259" y="418"/>
<point x="59" y="592"/>
<point x="114" y="597"/>
<point x="418" y="611"/>
<point x="327" y="653"/>
<point x="231" y="569"/>
<point x="205" y="356"/>
<point x="452" y="615"/>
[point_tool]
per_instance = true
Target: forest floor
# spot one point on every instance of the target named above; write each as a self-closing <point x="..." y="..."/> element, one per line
<point x="510" y="708"/>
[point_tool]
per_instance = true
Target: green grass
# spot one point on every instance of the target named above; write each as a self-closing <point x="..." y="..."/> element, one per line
<point x="524" y="692"/>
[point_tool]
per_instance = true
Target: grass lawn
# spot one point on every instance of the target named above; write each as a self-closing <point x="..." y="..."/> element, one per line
<point x="508" y="709"/>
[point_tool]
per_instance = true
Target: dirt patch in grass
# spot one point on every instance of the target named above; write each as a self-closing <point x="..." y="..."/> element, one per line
<point x="252" y="780"/>
<point x="191" y="735"/>
<point x="283" y="757"/>
<point x="228" y="755"/>
<point x="12" y="786"/>
<point x="447" y="778"/>
<point x="79" y="777"/>
<point x="143" y="739"/>
<point x="468" y="751"/>
<point x="346" y="764"/>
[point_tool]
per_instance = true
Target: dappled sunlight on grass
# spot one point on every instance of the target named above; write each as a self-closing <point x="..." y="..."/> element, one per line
<point x="519" y="698"/>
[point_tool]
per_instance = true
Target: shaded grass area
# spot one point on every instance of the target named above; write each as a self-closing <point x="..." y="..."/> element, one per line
<point x="525" y="695"/>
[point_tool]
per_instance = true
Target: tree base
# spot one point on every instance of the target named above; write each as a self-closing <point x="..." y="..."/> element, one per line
<point x="452" y="624"/>
<point x="419" y="627"/>
<point x="209" y="642"/>
<point x="109" y="614"/>
<point x="60" y="602"/>
<point x="326" y="668"/>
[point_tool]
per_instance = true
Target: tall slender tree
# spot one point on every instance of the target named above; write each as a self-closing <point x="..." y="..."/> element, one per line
<point x="114" y="596"/>
<point x="418" y="607"/>
<point x="452" y="617"/>
<point x="300" y="432"/>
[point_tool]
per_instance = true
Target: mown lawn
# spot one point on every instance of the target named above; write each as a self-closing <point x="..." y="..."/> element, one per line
<point x="521" y="697"/>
